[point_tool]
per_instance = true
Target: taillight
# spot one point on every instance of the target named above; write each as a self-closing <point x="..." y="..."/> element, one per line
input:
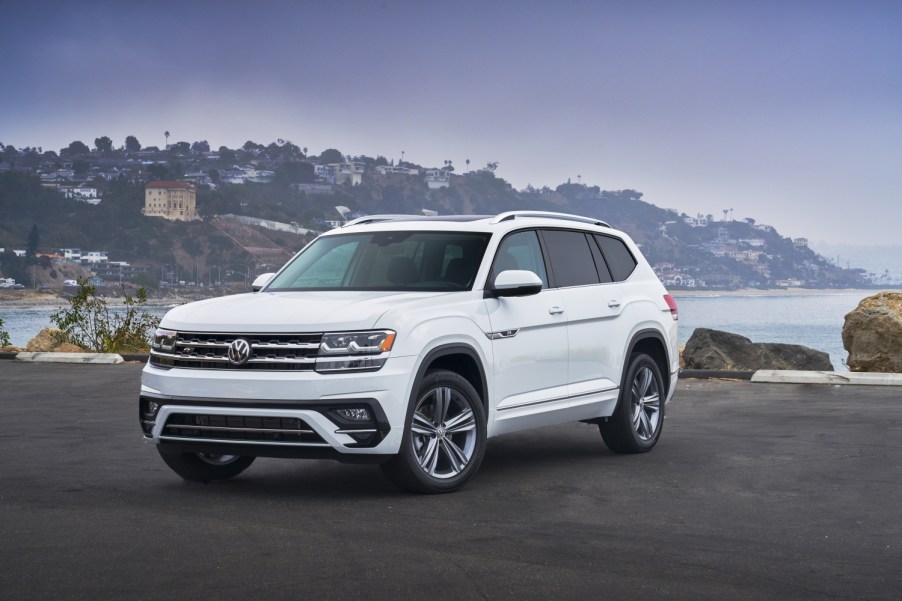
<point x="671" y="303"/>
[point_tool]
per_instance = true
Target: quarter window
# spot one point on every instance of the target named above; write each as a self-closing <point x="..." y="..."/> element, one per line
<point x="619" y="258"/>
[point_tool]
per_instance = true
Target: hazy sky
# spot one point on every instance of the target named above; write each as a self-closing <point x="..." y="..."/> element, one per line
<point x="788" y="112"/>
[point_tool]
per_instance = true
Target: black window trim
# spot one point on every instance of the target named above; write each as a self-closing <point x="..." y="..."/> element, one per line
<point x="629" y="251"/>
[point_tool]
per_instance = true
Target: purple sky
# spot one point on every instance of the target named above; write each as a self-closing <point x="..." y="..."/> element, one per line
<point x="788" y="112"/>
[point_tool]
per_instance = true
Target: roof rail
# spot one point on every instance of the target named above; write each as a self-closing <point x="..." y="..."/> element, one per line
<point x="548" y="215"/>
<point x="377" y="218"/>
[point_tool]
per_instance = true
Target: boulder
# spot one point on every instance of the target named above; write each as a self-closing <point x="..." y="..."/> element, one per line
<point x="68" y="347"/>
<point x="872" y="334"/>
<point x="713" y="349"/>
<point x="46" y="340"/>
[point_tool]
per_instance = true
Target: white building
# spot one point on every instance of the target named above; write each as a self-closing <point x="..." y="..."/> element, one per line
<point x="438" y="178"/>
<point x="84" y="194"/>
<point x="95" y="256"/>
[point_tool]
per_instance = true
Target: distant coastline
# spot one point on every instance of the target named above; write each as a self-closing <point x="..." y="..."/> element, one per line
<point x="708" y="293"/>
<point x="27" y="298"/>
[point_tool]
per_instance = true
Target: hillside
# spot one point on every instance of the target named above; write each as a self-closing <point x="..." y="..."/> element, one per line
<point x="690" y="252"/>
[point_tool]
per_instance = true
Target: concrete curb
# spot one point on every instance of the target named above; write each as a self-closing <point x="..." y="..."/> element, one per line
<point x="708" y="374"/>
<point x="95" y="358"/>
<point x="764" y="376"/>
<point x="826" y="377"/>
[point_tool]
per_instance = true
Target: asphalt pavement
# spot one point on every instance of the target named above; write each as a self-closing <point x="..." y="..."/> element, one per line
<point x="755" y="491"/>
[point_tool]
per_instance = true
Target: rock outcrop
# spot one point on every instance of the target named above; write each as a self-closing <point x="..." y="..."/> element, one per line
<point x="713" y="349"/>
<point x="872" y="334"/>
<point x="51" y="340"/>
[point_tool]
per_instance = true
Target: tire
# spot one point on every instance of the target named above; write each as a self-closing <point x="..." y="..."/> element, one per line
<point x="203" y="467"/>
<point x="444" y="436"/>
<point x="636" y="424"/>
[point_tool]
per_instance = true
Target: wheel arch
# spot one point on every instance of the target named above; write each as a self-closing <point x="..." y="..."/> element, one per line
<point x="652" y="343"/>
<point x="461" y="359"/>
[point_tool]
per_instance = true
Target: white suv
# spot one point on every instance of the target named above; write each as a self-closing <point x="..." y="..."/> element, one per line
<point x="408" y="341"/>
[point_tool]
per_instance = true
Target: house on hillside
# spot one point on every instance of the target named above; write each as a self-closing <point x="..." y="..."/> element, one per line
<point x="437" y="178"/>
<point x="83" y="193"/>
<point x="175" y="201"/>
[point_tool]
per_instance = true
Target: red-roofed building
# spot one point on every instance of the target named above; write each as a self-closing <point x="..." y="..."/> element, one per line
<point x="170" y="200"/>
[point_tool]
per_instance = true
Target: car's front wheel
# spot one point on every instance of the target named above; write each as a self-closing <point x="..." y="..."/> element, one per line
<point x="444" y="436"/>
<point x="636" y="424"/>
<point x="203" y="467"/>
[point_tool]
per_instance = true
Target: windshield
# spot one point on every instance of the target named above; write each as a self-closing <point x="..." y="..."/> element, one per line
<point x="405" y="260"/>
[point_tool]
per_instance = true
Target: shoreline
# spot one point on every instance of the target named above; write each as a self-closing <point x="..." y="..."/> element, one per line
<point x="31" y="299"/>
<point x="781" y="292"/>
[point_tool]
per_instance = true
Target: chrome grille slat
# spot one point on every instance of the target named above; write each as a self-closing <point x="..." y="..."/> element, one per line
<point x="203" y="350"/>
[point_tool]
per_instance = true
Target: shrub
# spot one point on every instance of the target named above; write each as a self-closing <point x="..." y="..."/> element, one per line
<point x="89" y="323"/>
<point x="4" y="335"/>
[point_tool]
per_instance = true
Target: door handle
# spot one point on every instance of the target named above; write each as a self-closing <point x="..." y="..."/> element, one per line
<point x="556" y="310"/>
<point x="613" y="303"/>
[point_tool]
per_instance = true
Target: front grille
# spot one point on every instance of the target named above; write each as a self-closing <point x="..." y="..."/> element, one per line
<point x="284" y="430"/>
<point x="282" y="352"/>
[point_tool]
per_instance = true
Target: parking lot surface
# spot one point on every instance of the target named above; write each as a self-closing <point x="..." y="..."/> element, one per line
<point x="755" y="491"/>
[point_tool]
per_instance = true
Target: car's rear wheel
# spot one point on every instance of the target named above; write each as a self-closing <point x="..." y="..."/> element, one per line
<point x="444" y="436"/>
<point x="636" y="424"/>
<point x="204" y="467"/>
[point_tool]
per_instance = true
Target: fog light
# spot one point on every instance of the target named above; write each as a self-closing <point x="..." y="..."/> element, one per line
<point x="152" y="407"/>
<point x="358" y="414"/>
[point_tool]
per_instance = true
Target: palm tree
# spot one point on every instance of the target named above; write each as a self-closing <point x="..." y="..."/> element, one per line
<point x="468" y="165"/>
<point x="167" y="139"/>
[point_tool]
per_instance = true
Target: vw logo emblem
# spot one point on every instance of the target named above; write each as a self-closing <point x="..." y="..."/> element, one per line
<point x="239" y="352"/>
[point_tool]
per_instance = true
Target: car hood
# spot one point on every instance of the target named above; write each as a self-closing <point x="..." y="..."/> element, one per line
<point x="288" y="311"/>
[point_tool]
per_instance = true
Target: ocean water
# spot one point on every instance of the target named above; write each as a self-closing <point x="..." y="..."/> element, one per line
<point x="812" y="319"/>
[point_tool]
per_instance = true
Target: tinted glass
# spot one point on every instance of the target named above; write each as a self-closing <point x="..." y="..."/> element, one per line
<point x="520" y="251"/>
<point x="619" y="258"/>
<point x="604" y="274"/>
<point x="433" y="261"/>
<point x="570" y="257"/>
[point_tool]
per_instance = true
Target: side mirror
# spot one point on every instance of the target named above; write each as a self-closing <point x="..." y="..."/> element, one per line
<point x="516" y="282"/>
<point x="261" y="281"/>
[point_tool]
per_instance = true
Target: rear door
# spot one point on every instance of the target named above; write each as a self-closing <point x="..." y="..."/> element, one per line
<point x="592" y="303"/>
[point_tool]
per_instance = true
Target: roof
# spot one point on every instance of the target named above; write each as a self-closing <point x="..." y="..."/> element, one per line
<point x="166" y="184"/>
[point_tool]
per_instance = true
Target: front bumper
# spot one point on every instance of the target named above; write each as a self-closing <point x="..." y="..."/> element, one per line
<point x="281" y="414"/>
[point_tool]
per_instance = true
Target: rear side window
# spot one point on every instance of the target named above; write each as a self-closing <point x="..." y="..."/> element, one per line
<point x="571" y="258"/>
<point x="619" y="258"/>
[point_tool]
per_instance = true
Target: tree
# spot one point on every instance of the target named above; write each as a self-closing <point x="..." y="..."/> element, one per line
<point x="330" y="156"/>
<point x="158" y="171"/>
<point x="34" y="237"/>
<point x="103" y="144"/>
<point x="132" y="144"/>
<point x="295" y="172"/>
<point x="75" y="149"/>
<point x="181" y="148"/>
<point x="226" y="155"/>
<point x="202" y="146"/>
<point x="80" y="166"/>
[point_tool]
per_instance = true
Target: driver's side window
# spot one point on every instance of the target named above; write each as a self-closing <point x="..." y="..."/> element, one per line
<point x="520" y="251"/>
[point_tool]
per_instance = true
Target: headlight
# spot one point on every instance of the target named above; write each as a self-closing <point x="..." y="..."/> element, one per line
<point x="164" y="340"/>
<point x="354" y="351"/>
